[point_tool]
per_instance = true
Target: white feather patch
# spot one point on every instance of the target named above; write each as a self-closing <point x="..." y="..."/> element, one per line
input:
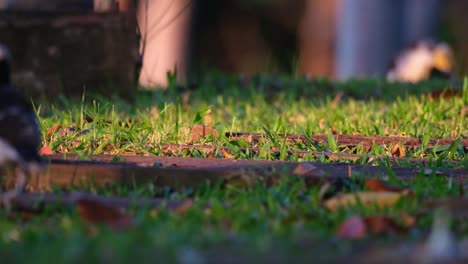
<point x="8" y="153"/>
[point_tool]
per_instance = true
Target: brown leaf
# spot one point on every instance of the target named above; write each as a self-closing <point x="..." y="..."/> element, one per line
<point x="53" y="129"/>
<point x="383" y="225"/>
<point x="376" y="185"/>
<point x="226" y="155"/>
<point x="199" y="132"/>
<point x="94" y="213"/>
<point x="398" y="151"/>
<point x="381" y="199"/>
<point x="353" y="227"/>
<point x="45" y="150"/>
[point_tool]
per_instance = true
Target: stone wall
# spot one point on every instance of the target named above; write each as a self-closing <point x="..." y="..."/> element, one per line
<point x="70" y="52"/>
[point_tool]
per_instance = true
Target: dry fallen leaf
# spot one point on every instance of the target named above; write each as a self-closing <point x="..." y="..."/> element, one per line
<point x="226" y="155"/>
<point x="398" y="151"/>
<point x="94" y="213"/>
<point x="381" y="199"/>
<point x="199" y="132"/>
<point x="45" y="150"/>
<point x="377" y="185"/>
<point x="53" y="129"/>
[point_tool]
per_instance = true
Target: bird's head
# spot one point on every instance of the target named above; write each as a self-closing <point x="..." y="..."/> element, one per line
<point x="443" y="58"/>
<point x="4" y="66"/>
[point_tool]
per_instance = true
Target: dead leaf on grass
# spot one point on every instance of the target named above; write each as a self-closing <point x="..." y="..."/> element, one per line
<point x="199" y="132"/>
<point x="381" y="199"/>
<point x="95" y="213"/>
<point x="226" y="155"/>
<point x="377" y="185"/>
<point x="398" y="151"/>
<point x="53" y="129"/>
<point x="45" y="150"/>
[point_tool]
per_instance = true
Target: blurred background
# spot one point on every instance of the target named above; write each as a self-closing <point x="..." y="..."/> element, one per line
<point x="71" y="45"/>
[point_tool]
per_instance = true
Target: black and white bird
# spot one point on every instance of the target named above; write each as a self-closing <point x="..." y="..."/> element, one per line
<point x="422" y="60"/>
<point x="20" y="137"/>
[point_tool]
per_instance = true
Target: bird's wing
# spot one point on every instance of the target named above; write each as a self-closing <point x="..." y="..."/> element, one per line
<point x="18" y="125"/>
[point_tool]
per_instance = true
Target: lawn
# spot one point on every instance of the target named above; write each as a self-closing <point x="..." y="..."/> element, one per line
<point x="284" y="222"/>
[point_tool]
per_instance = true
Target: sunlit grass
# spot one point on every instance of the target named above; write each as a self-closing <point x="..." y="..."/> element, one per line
<point x="286" y="221"/>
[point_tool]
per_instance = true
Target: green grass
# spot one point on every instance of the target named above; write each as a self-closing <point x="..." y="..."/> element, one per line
<point x="163" y="117"/>
<point x="283" y="222"/>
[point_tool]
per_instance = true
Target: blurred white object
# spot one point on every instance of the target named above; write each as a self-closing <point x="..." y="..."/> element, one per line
<point x="370" y="32"/>
<point x="441" y="245"/>
<point x="164" y="27"/>
<point x="420" y="60"/>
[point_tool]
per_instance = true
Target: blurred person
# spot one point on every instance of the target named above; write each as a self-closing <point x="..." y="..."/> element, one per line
<point x="164" y="30"/>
